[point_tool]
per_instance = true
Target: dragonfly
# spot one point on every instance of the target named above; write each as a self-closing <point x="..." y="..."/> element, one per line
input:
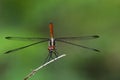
<point x="52" y="42"/>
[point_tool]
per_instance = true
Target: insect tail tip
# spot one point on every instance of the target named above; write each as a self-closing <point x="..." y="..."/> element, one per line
<point x="51" y="23"/>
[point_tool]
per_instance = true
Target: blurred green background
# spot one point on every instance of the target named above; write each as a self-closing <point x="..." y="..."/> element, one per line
<point x="30" y="18"/>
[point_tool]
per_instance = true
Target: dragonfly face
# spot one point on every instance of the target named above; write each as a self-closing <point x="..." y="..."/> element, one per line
<point x="51" y="46"/>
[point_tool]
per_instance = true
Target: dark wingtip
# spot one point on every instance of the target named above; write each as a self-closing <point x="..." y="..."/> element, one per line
<point x="7" y="37"/>
<point x="96" y="36"/>
<point x="7" y="52"/>
<point x="96" y="50"/>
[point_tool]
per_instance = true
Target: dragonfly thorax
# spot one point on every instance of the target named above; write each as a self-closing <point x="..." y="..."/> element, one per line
<point x="51" y="44"/>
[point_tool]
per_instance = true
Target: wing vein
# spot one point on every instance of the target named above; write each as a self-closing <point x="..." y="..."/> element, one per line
<point x="78" y="45"/>
<point x="24" y="47"/>
<point x="23" y="38"/>
<point x="78" y="38"/>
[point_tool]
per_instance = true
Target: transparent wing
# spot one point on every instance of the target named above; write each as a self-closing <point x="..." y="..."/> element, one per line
<point x="78" y="38"/>
<point x="78" y="45"/>
<point x="24" y="47"/>
<point x="23" y="38"/>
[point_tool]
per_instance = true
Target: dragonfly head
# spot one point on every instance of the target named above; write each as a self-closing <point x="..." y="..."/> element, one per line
<point x="51" y="48"/>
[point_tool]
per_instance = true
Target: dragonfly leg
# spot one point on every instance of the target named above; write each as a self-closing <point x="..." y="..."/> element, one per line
<point x="56" y="53"/>
<point x="50" y="53"/>
<point x="49" y="56"/>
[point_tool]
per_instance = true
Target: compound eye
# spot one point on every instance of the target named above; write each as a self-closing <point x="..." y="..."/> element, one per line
<point x="54" y="42"/>
<point x="50" y="43"/>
